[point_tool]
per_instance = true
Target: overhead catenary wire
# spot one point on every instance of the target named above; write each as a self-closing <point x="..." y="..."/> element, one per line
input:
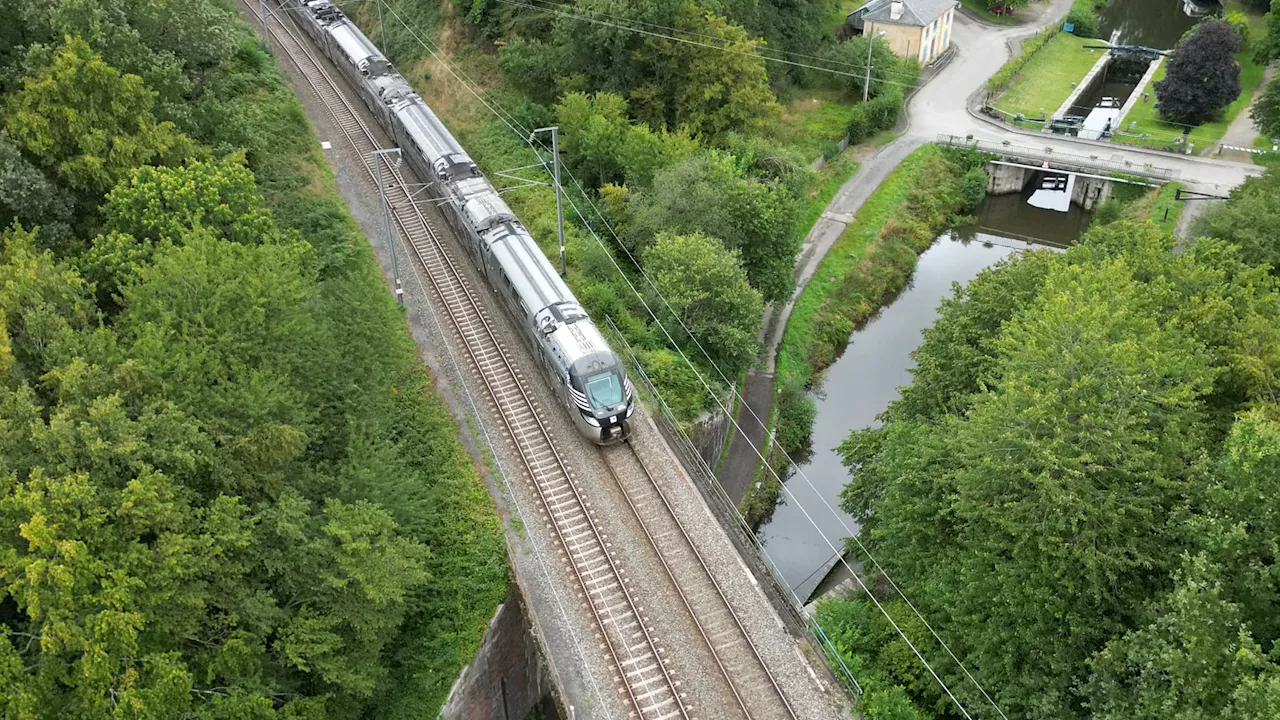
<point x="505" y="118"/>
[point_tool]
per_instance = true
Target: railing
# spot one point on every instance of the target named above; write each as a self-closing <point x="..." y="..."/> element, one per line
<point x="1054" y="160"/>
<point x="736" y="527"/>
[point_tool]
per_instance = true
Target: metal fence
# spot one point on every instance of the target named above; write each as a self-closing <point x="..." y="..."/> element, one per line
<point x="1054" y="160"/>
<point x="736" y="527"/>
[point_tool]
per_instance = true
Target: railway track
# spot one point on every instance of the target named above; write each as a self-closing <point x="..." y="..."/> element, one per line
<point x="636" y="658"/>
<point x="754" y="687"/>
<point x="638" y="669"/>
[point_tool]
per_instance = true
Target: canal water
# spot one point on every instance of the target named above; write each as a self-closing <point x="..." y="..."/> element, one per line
<point x="1153" y="23"/>
<point x="866" y="378"/>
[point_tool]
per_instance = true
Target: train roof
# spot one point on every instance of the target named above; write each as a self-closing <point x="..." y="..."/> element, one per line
<point x="526" y="268"/>
<point x="426" y="129"/>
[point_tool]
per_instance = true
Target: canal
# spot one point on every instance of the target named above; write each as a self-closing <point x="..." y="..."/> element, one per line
<point x="808" y="523"/>
<point x="1153" y="23"/>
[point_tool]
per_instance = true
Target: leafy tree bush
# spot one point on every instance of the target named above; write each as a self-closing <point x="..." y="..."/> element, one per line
<point x="704" y="288"/>
<point x="1239" y="22"/>
<point x="1267" y="48"/>
<point x="973" y="188"/>
<point x="708" y="193"/>
<point x="1202" y="77"/>
<point x="229" y="453"/>
<point x="1249" y="219"/>
<point x="868" y="118"/>
<point x="849" y="58"/>
<point x="88" y="123"/>
<point x="1102" y="553"/>
<point x="1266" y="111"/>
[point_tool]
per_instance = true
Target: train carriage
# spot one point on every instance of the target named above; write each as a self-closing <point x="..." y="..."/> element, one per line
<point x="586" y="374"/>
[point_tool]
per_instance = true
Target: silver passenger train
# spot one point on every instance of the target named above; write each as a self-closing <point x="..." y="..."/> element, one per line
<point x="586" y="374"/>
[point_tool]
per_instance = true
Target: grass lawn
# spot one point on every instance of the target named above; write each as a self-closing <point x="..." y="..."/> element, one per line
<point x="812" y="121"/>
<point x="979" y="8"/>
<point x="1161" y="134"/>
<point x="1045" y="81"/>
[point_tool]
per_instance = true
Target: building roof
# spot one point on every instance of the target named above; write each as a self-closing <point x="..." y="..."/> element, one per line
<point x="914" y="12"/>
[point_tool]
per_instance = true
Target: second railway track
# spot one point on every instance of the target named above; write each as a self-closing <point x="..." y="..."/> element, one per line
<point x="755" y="689"/>
<point x="634" y="654"/>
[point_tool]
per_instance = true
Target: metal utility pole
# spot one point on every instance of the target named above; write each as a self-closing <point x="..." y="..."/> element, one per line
<point x="376" y="157"/>
<point x="555" y="159"/>
<point x="866" y="84"/>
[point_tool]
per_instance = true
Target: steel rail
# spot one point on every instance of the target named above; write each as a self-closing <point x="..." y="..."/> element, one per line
<point x="754" y="687"/>
<point x="637" y="663"/>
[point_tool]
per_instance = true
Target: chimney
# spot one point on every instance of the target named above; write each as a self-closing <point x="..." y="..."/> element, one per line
<point x="895" y="9"/>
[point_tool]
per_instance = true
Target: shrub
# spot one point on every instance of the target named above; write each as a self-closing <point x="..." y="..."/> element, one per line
<point x="973" y="188"/>
<point x="1085" y="21"/>
<point x="879" y="113"/>
<point x="1240" y="23"/>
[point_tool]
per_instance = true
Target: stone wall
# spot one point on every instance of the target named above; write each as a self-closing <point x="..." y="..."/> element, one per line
<point x="507" y="677"/>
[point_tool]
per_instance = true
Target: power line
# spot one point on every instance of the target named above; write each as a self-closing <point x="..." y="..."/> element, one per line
<point x="728" y="414"/>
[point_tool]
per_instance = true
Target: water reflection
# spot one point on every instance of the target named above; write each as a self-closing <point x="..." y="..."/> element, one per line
<point x="1153" y="23"/>
<point x="866" y="378"/>
<point x="1010" y="216"/>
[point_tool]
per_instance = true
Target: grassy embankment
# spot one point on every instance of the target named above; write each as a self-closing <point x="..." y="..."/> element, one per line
<point x="1143" y="127"/>
<point x="869" y="264"/>
<point x="1048" y="77"/>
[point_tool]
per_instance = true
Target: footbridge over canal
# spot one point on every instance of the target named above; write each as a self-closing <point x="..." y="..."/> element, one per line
<point x="1105" y="160"/>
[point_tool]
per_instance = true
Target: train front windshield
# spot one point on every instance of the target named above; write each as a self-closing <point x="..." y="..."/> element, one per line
<point x="604" y="390"/>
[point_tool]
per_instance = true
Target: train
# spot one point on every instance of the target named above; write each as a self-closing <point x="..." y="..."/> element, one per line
<point x="587" y="376"/>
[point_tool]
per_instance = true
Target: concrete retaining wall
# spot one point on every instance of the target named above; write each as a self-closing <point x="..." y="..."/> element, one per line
<point x="1087" y="192"/>
<point x="507" y="678"/>
<point x="1005" y="179"/>
<point x="1090" y="192"/>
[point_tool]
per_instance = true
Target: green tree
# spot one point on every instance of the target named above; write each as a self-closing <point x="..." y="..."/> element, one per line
<point x="88" y="123"/>
<point x="28" y="197"/>
<point x="707" y="291"/>
<point x="345" y="577"/>
<point x="164" y="204"/>
<point x="849" y="59"/>
<point x="1187" y="662"/>
<point x="221" y="328"/>
<point x="1202" y="76"/>
<point x="1047" y="472"/>
<point x="1265" y="111"/>
<point x="1248" y="219"/>
<point x="709" y="193"/>
<point x="706" y="91"/>
<point x="605" y="147"/>
<point x="1267" y="48"/>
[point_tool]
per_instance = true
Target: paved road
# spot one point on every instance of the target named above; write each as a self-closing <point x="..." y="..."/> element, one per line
<point x="941" y="106"/>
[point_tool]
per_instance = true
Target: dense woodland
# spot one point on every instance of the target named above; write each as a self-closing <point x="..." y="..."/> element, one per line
<point x="669" y="119"/>
<point x="227" y="489"/>
<point x="1078" y="488"/>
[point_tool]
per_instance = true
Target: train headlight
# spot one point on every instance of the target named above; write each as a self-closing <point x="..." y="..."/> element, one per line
<point x="631" y="407"/>
<point x="590" y="420"/>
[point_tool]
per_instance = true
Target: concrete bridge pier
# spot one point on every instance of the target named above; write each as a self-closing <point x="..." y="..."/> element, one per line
<point x="1086" y="191"/>
<point x="508" y="678"/>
